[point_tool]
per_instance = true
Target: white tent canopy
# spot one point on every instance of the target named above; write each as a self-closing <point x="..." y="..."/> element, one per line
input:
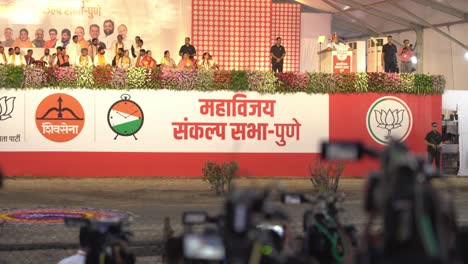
<point x="386" y="16"/>
<point x="362" y="19"/>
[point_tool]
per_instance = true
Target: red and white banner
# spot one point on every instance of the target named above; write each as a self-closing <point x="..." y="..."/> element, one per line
<point x="84" y="132"/>
<point x="342" y="61"/>
<point x="371" y="118"/>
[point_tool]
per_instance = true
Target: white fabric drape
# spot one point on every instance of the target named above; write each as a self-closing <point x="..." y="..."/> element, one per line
<point x="309" y="57"/>
<point x="453" y="100"/>
<point x="463" y="141"/>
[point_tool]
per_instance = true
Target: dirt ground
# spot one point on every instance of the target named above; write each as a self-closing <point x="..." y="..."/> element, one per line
<point x="148" y="201"/>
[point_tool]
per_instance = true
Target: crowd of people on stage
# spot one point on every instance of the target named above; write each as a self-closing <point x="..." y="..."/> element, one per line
<point x="125" y="53"/>
<point x="94" y="55"/>
<point x="76" y="51"/>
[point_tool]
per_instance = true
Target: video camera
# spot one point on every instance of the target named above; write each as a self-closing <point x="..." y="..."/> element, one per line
<point x="418" y="225"/>
<point x="256" y="230"/>
<point x="326" y="237"/>
<point x="204" y="246"/>
<point x="105" y="240"/>
<point x="244" y="233"/>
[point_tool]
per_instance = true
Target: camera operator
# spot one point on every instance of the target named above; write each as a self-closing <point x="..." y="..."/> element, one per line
<point x="433" y="140"/>
<point x="80" y="256"/>
<point x="108" y="247"/>
<point x="103" y="241"/>
<point x="405" y="54"/>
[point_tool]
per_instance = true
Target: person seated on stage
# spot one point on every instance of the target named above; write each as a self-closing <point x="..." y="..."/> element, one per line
<point x="149" y="61"/>
<point x="116" y="59"/>
<point x="3" y="57"/>
<point x="100" y="58"/>
<point x="17" y="59"/>
<point x="126" y="61"/>
<point x="186" y="63"/>
<point x="84" y="60"/>
<point x="47" y="59"/>
<point x="11" y="51"/>
<point x="207" y="62"/>
<point x="140" y="58"/>
<point x="61" y="59"/>
<point x="23" y="40"/>
<point x="167" y="62"/>
<point x="29" y="58"/>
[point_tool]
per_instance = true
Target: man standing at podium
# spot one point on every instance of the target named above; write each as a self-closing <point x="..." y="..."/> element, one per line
<point x="277" y="53"/>
<point x="335" y="44"/>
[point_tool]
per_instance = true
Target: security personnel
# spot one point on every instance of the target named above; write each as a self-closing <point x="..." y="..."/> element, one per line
<point x="277" y="54"/>
<point x="433" y="141"/>
<point x="389" y="59"/>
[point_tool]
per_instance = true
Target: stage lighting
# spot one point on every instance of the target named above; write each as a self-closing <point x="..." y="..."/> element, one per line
<point x="321" y="39"/>
<point x="414" y="60"/>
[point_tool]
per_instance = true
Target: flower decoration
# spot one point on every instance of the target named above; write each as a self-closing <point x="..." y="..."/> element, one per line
<point x="119" y="79"/>
<point x="34" y="77"/>
<point x="262" y="82"/>
<point x="102" y="76"/>
<point x="136" y="77"/>
<point x="204" y="81"/>
<point x="65" y="76"/>
<point x="292" y="81"/>
<point x="222" y="80"/>
<point x="85" y="77"/>
<point x="236" y="80"/>
<point x="3" y="75"/>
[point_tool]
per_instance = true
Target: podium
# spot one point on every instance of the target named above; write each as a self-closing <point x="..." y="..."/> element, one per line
<point x="335" y="61"/>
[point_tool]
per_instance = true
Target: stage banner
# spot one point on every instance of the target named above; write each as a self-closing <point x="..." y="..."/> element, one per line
<point x="342" y="61"/>
<point x="162" y="25"/>
<point x="162" y="121"/>
<point x="374" y="118"/>
<point x="86" y="133"/>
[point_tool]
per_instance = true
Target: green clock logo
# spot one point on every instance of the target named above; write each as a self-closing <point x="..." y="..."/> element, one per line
<point x="125" y="117"/>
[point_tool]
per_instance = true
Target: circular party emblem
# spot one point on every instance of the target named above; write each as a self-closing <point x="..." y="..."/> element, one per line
<point x="60" y="117"/>
<point x="389" y="118"/>
<point x="52" y="216"/>
<point x="125" y="117"/>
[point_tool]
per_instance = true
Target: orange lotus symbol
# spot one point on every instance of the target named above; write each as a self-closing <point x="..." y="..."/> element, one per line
<point x="389" y="120"/>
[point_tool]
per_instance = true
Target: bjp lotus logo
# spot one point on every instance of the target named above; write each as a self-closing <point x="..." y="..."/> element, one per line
<point x="7" y="105"/>
<point x="389" y="118"/>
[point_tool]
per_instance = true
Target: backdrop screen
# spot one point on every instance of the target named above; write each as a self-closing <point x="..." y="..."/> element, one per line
<point x="162" y="24"/>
